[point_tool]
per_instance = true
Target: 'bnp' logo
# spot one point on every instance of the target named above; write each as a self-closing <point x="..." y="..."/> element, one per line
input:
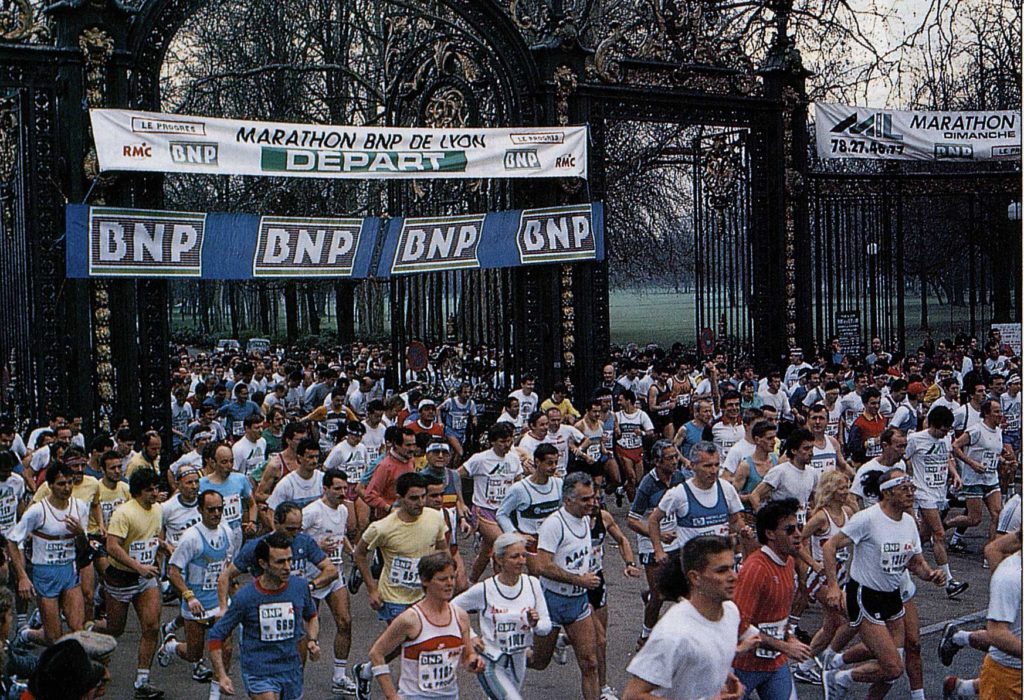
<point x="877" y="125"/>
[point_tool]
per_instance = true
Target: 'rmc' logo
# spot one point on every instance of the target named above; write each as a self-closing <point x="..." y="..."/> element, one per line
<point x="877" y="125"/>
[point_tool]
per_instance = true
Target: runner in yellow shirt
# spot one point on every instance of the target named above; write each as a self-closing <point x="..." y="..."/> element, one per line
<point x="133" y="540"/>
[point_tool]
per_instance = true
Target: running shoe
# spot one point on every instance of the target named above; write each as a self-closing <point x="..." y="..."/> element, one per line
<point x="831" y="686"/>
<point x="620" y="493"/>
<point x="561" y="655"/>
<point x="345" y="686"/>
<point x="163" y="655"/>
<point x="201" y="673"/>
<point x="640" y="641"/>
<point x="148" y="692"/>
<point x="809" y="676"/>
<point x="355" y="580"/>
<point x="960" y="547"/>
<point x="955" y="588"/>
<point x="168" y="627"/>
<point x="947" y="648"/>
<point x="364" y="688"/>
<point x="608" y="693"/>
<point x="825" y="662"/>
<point x="35" y="620"/>
<point x="949" y="687"/>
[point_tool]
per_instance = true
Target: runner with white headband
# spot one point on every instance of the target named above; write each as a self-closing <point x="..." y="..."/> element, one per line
<point x="885" y="544"/>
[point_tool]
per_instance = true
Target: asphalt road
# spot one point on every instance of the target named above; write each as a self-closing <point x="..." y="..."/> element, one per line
<point x="624" y="626"/>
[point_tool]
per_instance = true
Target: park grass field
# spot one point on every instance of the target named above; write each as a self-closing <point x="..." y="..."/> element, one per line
<point x="664" y="317"/>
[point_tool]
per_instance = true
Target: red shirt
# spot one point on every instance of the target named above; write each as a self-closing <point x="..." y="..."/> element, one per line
<point x="764" y="595"/>
<point x="436" y="429"/>
<point x="380" y="492"/>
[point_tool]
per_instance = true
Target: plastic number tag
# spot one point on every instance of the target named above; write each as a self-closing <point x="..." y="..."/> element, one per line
<point x="277" y="621"/>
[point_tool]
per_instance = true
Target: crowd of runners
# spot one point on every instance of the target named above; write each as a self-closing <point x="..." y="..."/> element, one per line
<point x="735" y="497"/>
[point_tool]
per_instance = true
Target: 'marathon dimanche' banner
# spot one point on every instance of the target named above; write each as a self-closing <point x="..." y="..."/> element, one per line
<point x="861" y="132"/>
<point x="118" y="242"/>
<point x="173" y="143"/>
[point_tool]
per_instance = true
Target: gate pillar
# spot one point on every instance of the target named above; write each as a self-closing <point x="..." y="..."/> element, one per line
<point x="789" y="284"/>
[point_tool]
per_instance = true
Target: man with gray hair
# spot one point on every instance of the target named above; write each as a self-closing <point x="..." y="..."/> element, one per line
<point x="563" y="563"/>
<point x="701" y="505"/>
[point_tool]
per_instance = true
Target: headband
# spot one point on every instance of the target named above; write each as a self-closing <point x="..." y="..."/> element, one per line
<point x="894" y="482"/>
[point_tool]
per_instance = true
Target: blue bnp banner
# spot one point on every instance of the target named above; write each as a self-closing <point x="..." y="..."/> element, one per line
<point x="119" y="242"/>
<point x="573" y="233"/>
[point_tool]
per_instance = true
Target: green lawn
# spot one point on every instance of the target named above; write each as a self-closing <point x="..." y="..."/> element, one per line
<point x="664" y="317"/>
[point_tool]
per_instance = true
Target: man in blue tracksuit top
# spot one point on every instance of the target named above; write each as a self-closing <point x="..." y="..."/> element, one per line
<point x="271" y="610"/>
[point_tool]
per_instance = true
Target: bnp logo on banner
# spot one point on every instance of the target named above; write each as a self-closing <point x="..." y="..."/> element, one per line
<point x="306" y="247"/>
<point x="136" y="243"/>
<point x="438" y="244"/>
<point x="559" y="234"/>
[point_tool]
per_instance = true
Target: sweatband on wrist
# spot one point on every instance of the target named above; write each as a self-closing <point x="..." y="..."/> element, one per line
<point x="381" y="670"/>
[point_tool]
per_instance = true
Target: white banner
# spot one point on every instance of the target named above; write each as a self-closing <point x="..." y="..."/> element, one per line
<point x="173" y="143"/>
<point x="859" y="132"/>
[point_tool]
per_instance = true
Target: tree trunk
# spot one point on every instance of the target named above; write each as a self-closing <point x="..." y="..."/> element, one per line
<point x="233" y="308"/>
<point x="291" y="311"/>
<point x="263" y="300"/>
<point x="924" y="302"/>
<point x="312" y="313"/>
<point x="344" y="299"/>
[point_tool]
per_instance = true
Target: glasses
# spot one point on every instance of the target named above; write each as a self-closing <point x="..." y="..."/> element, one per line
<point x="215" y="509"/>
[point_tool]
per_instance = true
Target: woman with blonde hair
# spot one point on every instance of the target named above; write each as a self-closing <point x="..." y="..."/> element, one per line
<point x="830" y="513"/>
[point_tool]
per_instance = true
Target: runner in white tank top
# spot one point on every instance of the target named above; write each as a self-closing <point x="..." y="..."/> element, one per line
<point x="432" y="636"/>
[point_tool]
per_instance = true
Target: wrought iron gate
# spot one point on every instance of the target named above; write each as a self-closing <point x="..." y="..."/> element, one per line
<point x="723" y="254"/>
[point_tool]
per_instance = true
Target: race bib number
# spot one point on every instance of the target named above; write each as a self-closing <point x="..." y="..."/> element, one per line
<point x="594" y="452"/>
<point x="355" y="471"/>
<point x="801" y="517"/>
<point x="233" y="508"/>
<point x="335" y="552"/>
<point x="832" y="429"/>
<point x="144" y="551"/>
<point x="277" y="621"/>
<point x="894" y="557"/>
<point x="991" y="461"/>
<point x="682" y="400"/>
<point x="57" y="551"/>
<point x="630" y="440"/>
<point x="510" y="633"/>
<point x="372" y="453"/>
<point x="1013" y="422"/>
<point x="405" y="572"/>
<point x="459" y="421"/>
<point x="775" y="630"/>
<point x="436" y="669"/>
<point x="211" y="575"/>
<point x="596" y="559"/>
<point x="107" y="509"/>
<point x="823" y="464"/>
<point x="237" y="428"/>
<point x="8" y="511"/>
<point x="872" y="447"/>
<point x="935" y="472"/>
<point x="495" y="490"/>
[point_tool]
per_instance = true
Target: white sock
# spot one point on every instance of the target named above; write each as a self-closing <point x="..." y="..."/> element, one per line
<point x="340" y="669"/>
<point x="917" y="694"/>
<point x="965" y="688"/>
<point x="171" y="647"/>
<point x="141" y="677"/>
<point x="962" y="638"/>
<point x="807" y="664"/>
<point x="837" y="661"/>
<point x="949" y="574"/>
<point x="645" y="631"/>
<point x="214" y="690"/>
<point x="844" y="678"/>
